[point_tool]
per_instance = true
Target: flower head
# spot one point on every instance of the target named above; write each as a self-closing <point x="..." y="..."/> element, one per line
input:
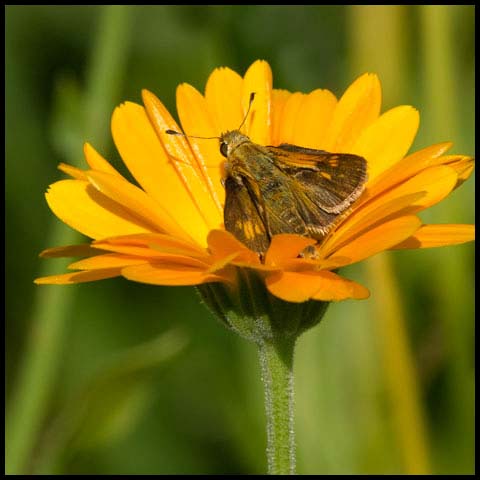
<point x="169" y="228"/>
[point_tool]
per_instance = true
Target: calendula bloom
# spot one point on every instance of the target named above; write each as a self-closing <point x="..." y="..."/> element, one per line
<point x="168" y="229"/>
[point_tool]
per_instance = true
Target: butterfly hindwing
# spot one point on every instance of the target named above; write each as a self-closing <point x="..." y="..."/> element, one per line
<point x="332" y="181"/>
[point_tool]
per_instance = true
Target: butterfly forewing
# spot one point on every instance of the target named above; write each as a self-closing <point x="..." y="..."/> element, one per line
<point x="243" y="215"/>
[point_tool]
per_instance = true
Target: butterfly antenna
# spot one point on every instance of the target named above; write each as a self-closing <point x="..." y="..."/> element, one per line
<point x="174" y="132"/>
<point x="250" y="101"/>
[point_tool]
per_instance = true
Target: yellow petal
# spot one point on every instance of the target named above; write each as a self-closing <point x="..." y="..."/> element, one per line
<point x="196" y="120"/>
<point x="436" y="182"/>
<point x="374" y="241"/>
<point x="78" y="277"/>
<point x="279" y="100"/>
<point x="109" y="260"/>
<point x="223" y="94"/>
<point x="387" y="140"/>
<point x="71" y="251"/>
<point x="462" y="164"/>
<point x="316" y="114"/>
<point x="136" y="201"/>
<point x="286" y="246"/>
<point x="358" y="107"/>
<point x="97" y="162"/>
<point x="82" y="207"/>
<point x="322" y="285"/>
<point x="169" y="274"/>
<point x="373" y="214"/>
<point x="74" y="172"/>
<point x="406" y="168"/>
<point x="428" y="236"/>
<point x="148" y="162"/>
<point x="183" y="160"/>
<point x="258" y="80"/>
<point x="292" y="111"/>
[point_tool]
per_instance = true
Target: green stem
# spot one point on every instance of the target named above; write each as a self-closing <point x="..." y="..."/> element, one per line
<point x="276" y="360"/>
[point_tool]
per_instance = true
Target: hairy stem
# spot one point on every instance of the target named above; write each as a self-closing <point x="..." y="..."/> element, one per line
<point x="276" y="360"/>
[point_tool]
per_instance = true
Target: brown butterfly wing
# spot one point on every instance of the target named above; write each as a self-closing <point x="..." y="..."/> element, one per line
<point x="332" y="181"/>
<point x="243" y="215"/>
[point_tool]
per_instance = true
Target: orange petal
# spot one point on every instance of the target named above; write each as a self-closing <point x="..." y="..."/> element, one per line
<point x="97" y="162"/>
<point x="196" y="120"/>
<point x="406" y="168"/>
<point x="78" y="277"/>
<point x="364" y="218"/>
<point x="279" y="100"/>
<point x="82" y="207"/>
<point x="428" y="236"/>
<point x="387" y="140"/>
<point x="286" y="246"/>
<point x="136" y="201"/>
<point x="84" y="250"/>
<point x="322" y="285"/>
<point x="258" y="80"/>
<point x="148" y="162"/>
<point x="169" y="274"/>
<point x="154" y="241"/>
<point x="374" y="241"/>
<point x="223" y="94"/>
<point x="107" y="261"/>
<point x="358" y="108"/>
<point x="436" y="182"/>
<point x="222" y="243"/>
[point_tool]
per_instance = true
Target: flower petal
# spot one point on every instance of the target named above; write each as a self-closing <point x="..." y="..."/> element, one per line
<point x="82" y="207"/>
<point x="109" y="260"/>
<point x="321" y="285"/>
<point x="286" y="246"/>
<point x="137" y="201"/>
<point x="156" y="243"/>
<point x="223" y="94"/>
<point x="258" y="80"/>
<point x="74" y="172"/>
<point x="183" y="160"/>
<point x="97" y="162"/>
<point x="387" y="140"/>
<point x="374" y="241"/>
<point x="358" y="108"/>
<point x="78" y="277"/>
<point x="364" y="218"/>
<point x="428" y="236"/>
<point x="148" y="162"/>
<point x="196" y="121"/>
<point x="169" y="274"/>
<point x="222" y="243"/>
<point x="279" y="100"/>
<point x="406" y="168"/>
<point x="84" y="250"/>
<point x="316" y="113"/>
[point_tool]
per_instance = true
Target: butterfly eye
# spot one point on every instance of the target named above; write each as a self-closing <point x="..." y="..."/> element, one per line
<point x="224" y="149"/>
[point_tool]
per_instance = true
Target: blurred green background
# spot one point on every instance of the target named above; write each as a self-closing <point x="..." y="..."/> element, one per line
<point x="121" y="378"/>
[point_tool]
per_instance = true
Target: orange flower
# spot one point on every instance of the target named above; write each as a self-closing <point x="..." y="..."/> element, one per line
<point x="169" y="229"/>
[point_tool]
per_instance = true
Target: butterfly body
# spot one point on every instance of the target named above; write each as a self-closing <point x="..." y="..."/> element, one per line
<point x="285" y="189"/>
